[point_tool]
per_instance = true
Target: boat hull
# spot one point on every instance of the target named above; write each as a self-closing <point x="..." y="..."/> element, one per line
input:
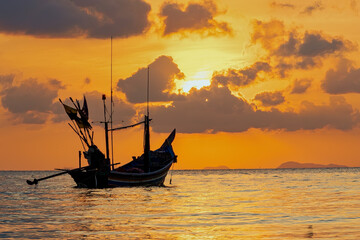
<point x="90" y="179"/>
<point x="96" y="179"/>
<point x="122" y="179"/>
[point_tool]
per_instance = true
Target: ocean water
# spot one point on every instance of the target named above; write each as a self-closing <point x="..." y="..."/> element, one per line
<point x="212" y="204"/>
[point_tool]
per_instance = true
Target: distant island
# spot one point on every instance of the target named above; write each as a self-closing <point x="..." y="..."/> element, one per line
<point x="218" y="167"/>
<point x="309" y="165"/>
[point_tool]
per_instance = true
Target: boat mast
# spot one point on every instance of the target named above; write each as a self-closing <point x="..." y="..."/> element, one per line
<point x="148" y="91"/>
<point x="106" y="128"/>
<point x="146" y="129"/>
<point x="111" y="112"/>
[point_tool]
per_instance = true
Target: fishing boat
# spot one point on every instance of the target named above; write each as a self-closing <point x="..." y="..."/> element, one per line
<point x="149" y="169"/>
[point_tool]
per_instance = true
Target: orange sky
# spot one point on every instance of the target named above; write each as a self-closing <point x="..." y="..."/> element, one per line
<point x="274" y="81"/>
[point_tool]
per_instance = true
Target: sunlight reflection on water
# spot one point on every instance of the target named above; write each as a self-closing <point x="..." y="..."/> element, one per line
<point x="218" y="204"/>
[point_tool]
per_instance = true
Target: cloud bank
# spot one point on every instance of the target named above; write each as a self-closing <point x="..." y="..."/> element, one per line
<point x="207" y="110"/>
<point x="30" y="101"/>
<point x="215" y="109"/>
<point x="34" y="102"/>
<point x="74" y="18"/>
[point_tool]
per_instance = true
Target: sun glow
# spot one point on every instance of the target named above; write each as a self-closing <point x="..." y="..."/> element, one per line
<point x="198" y="80"/>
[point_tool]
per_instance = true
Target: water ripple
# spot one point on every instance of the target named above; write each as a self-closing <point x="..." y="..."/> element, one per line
<point x="231" y="204"/>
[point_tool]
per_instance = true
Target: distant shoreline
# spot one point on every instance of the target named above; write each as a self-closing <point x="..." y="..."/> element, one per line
<point x="292" y="164"/>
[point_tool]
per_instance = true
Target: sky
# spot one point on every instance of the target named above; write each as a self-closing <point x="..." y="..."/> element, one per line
<point x="245" y="84"/>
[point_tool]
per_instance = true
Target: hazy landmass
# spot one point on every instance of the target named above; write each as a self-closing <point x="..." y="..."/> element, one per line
<point x="218" y="167"/>
<point x="308" y="165"/>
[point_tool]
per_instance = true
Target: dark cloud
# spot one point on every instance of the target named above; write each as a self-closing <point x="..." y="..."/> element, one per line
<point x="6" y="80"/>
<point x="344" y="79"/>
<point x="30" y="95"/>
<point x="241" y="77"/>
<point x="307" y="63"/>
<point x="30" y="101"/>
<point x="194" y="17"/>
<point x="215" y="109"/>
<point x="311" y="45"/>
<point x="316" y="45"/>
<point x="301" y="85"/>
<point x="271" y="36"/>
<point x="315" y="6"/>
<point x="291" y="49"/>
<point x="73" y="18"/>
<point x="163" y="72"/>
<point x="282" y="5"/>
<point x="270" y="98"/>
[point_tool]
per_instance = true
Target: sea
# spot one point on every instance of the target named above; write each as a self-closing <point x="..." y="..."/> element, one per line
<point x="198" y="204"/>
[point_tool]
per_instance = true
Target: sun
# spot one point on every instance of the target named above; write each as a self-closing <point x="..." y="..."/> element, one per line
<point x="198" y="80"/>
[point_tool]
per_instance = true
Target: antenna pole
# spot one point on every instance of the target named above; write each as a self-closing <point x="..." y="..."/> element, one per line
<point x="148" y="91"/>
<point x="106" y="129"/>
<point x="111" y="111"/>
